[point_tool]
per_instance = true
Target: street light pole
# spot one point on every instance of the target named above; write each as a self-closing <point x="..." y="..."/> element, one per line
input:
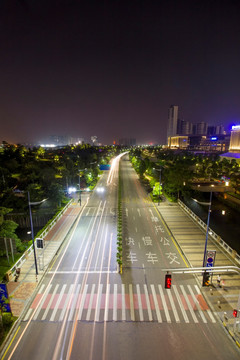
<point x="208" y="220"/>
<point x="31" y="222"/>
<point x="160" y="181"/>
<point x="79" y="176"/>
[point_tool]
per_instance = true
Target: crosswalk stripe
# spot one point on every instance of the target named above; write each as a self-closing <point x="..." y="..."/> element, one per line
<point x="131" y="302"/>
<point x="156" y="303"/>
<point x="83" y="297"/>
<point x="66" y="303"/>
<point x="58" y="302"/>
<point x="208" y="310"/>
<point x="123" y="303"/>
<point x="164" y="303"/>
<point x="41" y="289"/>
<point x="28" y="314"/>
<point x="189" y="304"/>
<point x="139" y="303"/>
<point x="148" y="303"/>
<point x="197" y="304"/>
<point x="73" y="303"/>
<point x="173" y="306"/>
<point x="98" y="304"/>
<point x="115" y="302"/>
<point x="106" y="303"/>
<point x="41" y="303"/>
<point x="90" y="303"/>
<point x="180" y="304"/>
<point x="50" y="302"/>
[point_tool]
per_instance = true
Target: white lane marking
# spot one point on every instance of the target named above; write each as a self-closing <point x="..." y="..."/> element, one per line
<point x="180" y="304"/>
<point x="173" y="305"/>
<point x="73" y="303"/>
<point x="126" y="212"/>
<point x="58" y="302"/>
<point x="50" y="303"/>
<point x="106" y="302"/>
<point x="156" y="304"/>
<point x="148" y="303"/>
<point x="66" y="303"/>
<point x="189" y="304"/>
<point x="82" y="301"/>
<point x="131" y="302"/>
<point x="197" y="304"/>
<point x="84" y="272"/>
<point x="42" y="302"/>
<point x="139" y="213"/>
<point x="123" y="303"/>
<point x="164" y="303"/>
<point x="88" y="212"/>
<point x="135" y="229"/>
<point x="98" y="303"/>
<point x="90" y="303"/>
<point x="208" y="310"/>
<point x="100" y="243"/>
<point x="140" y="309"/>
<point x="115" y="302"/>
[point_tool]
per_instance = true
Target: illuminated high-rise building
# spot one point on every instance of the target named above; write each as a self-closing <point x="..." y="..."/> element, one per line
<point x="172" y="121"/>
<point x="235" y="139"/>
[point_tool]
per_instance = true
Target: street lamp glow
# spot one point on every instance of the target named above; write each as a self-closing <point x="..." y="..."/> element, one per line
<point x="72" y="190"/>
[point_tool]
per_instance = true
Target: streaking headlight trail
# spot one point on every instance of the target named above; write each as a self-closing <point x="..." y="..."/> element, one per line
<point x="114" y="167"/>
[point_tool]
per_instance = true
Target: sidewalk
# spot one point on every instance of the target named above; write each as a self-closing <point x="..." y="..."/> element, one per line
<point x="191" y="240"/>
<point x="20" y="292"/>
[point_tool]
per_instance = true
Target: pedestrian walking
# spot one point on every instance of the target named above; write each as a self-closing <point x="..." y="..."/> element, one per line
<point x="219" y="280"/>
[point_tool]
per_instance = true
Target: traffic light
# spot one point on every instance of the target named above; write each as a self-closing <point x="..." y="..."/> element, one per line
<point x="235" y="313"/>
<point x="206" y="279"/>
<point x="40" y="243"/>
<point x="168" y="281"/>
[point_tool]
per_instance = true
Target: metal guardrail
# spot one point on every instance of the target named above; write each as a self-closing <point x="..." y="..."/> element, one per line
<point x="28" y="252"/>
<point x="217" y="269"/>
<point x="211" y="233"/>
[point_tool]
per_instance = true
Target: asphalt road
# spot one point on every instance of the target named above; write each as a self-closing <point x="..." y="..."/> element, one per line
<point x="85" y="309"/>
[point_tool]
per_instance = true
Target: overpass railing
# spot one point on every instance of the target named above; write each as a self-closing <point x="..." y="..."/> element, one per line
<point x="23" y="258"/>
<point x="211" y="233"/>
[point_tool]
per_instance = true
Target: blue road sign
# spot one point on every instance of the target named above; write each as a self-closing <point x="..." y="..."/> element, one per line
<point x="5" y="305"/>
<point x="104" y="167"/>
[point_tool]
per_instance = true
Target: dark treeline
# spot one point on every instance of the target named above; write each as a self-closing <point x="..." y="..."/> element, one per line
<point x="44" y="174"/>
<point x="180" y="169"/>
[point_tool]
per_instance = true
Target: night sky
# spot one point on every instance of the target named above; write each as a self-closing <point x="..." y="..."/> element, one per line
<point x="113" y="68"/>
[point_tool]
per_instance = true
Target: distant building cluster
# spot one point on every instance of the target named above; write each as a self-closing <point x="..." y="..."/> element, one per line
<point x="127" y="142"/>
<point x="201" y="136"/>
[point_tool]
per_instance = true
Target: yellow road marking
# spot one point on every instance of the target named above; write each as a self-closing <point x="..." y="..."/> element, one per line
<point x="10" y="343"/>
<point x="176" y="245"/>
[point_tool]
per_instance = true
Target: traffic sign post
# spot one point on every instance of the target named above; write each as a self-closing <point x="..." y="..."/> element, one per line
<point x="209" y="263"/>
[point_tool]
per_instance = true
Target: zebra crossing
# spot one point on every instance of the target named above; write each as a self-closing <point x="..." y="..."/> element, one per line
<point x="120" y="302"/>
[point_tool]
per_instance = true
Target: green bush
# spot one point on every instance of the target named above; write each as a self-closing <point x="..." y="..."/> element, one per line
<point x="7" y="320"/>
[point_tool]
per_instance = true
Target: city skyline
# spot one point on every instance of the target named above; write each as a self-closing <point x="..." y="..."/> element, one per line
<point x="113" y="69"/>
